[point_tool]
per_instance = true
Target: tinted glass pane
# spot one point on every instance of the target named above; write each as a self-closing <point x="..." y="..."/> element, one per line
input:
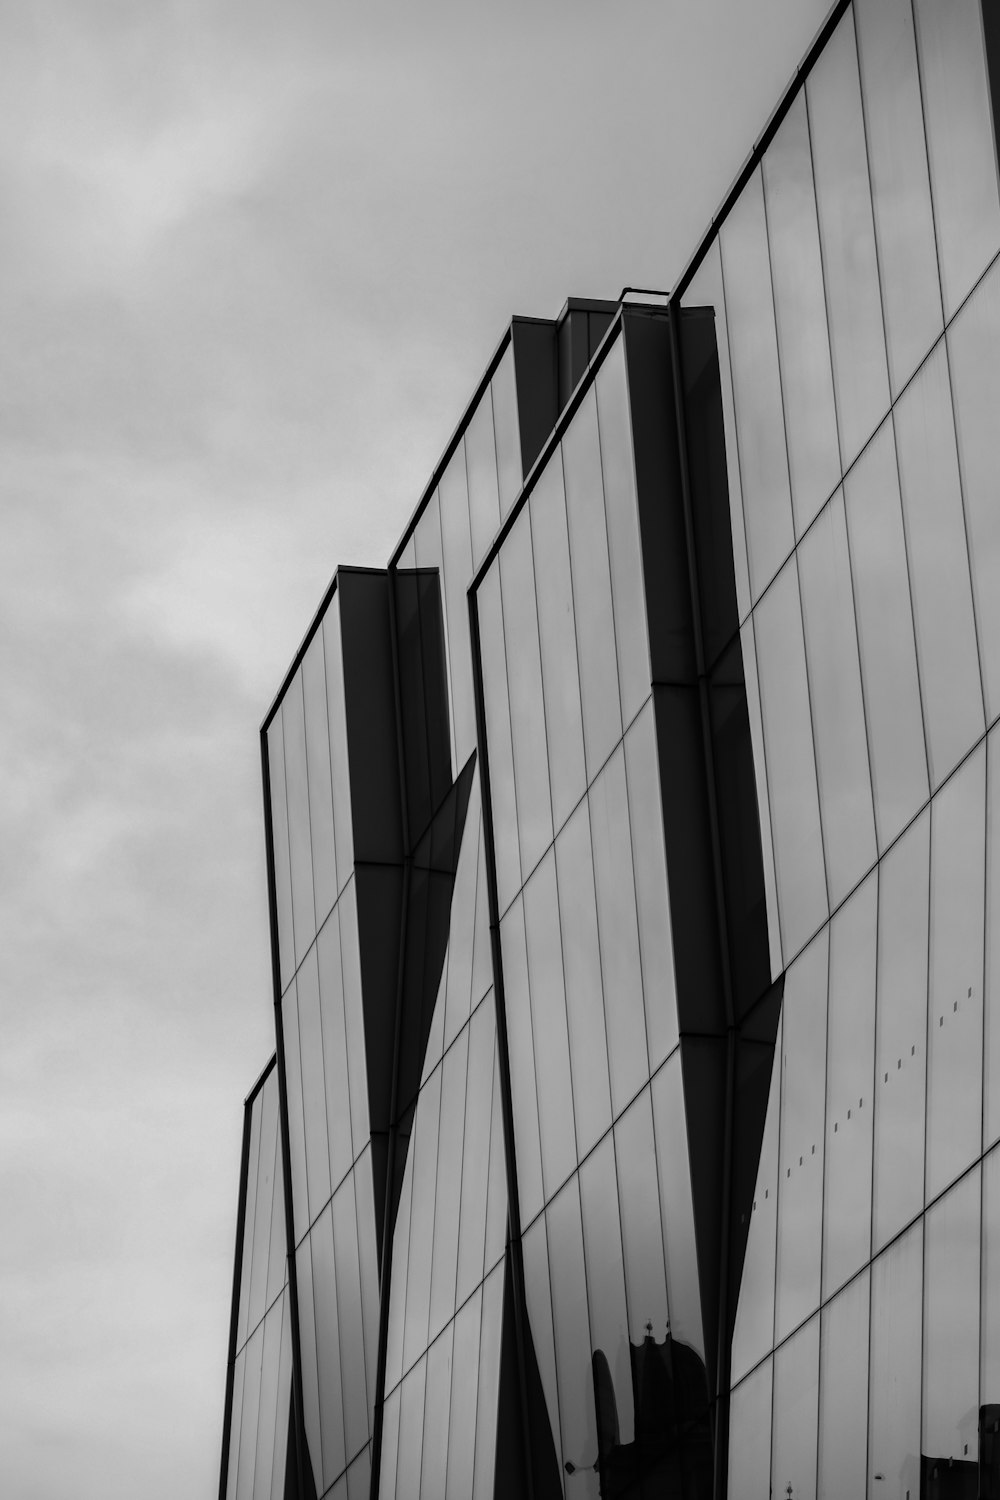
<point x="676" y="1209"/>
<point x="939" y="566"/>
<point x="342" y="818"/>
<point x="251" y="1410"/>
<point x="498" y="737"/>
<point x="397" y="1287"/>
<point x="796" y="1397"/>
<point x="791" y="766"/>
<point x="365" y="1202"/>
<point x="897" y="155"/>
<point x="297" y="791"/>
<point x="449" y="1184"/>
<point x="572" y="1337"/>
<point x="350" y="958"/>
<point x="800" y="313"/>
<point x="850" y="1082"/>
<point x="753" y="1333"/>
<point x="951" y="1324"/>
<point x="475" y="1158"/>
<point x="456" y="543"/>
<point x="489" y="1384"/>
<point x="641" y="1229"/>
<point x="329" y="1353"/>
<point x="548" y="1025"/>
<point x="266" y="1162"/>
<point x="507" y="430"/>
<point x="464" y="1389"/>
<point x="894" y="1382"/>
<point x="411" y="1428"/>
<point x="584" y="998"/>
<point x="838" y="714"/>
<point x="538" y="1300"/>
<point x="461" y="931"/>
<point x="557" y="634"/>
<point x="843" y="1393"/>
<point x="320" y="785"/>
<point x="390" y="1446"/>
<point x="522" y="1062"/>
<point x="955" y="1003"/>
<point x="847" y="236"/>
<point x="524" y="685"/>
<point x="900" y="1032"/>
<point x="588" y="545"/>
<point x="602" y="1239"/>
<point x="424" y="1146"/>
<point x="624" y="546"/>
<point x="974" y="349"/>
<point x="800" y="1161"/>
<point x="481" y="462"/>
<point x="313" y="1087"/>
<point x="886" y="639"/>
<point x="279" y="834"/>
<point x="652" y="905"/>
<point x="276" y="1254"/>
<point x="748" y="649"/>
<point x="283" y="1401"/>
<point x="307" y="1346"/>
<point x="753" y="352"/>
<point x="960" y="142"/>
<point x="496" y="1189"/>
<point x="618" y="930"/>
<point x="750" y="1435"/>
<point x="334" y="1056"/>
<point x="296" y="1128"/>
<point x="243" y="1326"/>
<point x="434" y="1456"/>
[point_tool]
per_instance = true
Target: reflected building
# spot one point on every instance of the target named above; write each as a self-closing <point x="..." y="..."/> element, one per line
<point x="634" y="863"/>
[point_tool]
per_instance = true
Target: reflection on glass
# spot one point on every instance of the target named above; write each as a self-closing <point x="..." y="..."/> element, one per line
<point x="939" y="566"/>
<point x="763" y="461"/>
<point x="959" y="142"/>
<point x="951" y="1330"/>
<point x="624" y="546"/>
<point x="507" y="430"/>
<point x="548" y="1026"/>
<point x="324" y="857"/>
<point x="800" y="314"/>
<point x="584" y="999"/>
<point x="307" y="1349"/>
<point x="753" y="1333"/>
<point x="618" y="929"/>
<point x="676" y="1207"/>
<point x="847" y="235"/>
<point x="524" y="687"/>
<point x="457" y="550"/>
<point x="434" y="1454"/>
<point x="279" y="838"/>
<point x="602" y="1240"/>
<point x="897" y="155"/>
<point x="591" y="568"/>
<point x="520" y="1045"/>
<point x="850" y="1074"/>
<point x="974" y="351"/>
<point x="843" y="1393"/>
<point x="498" y="737"/>
<point x="838" y="714"/>
<point x="800" y="1161"/>
<point x="894" y="1381"/>
<point x="481" y="464"/>
<point x="955" y="1001"/>
<point x="791" y="766"/>
<point x="885" y="629"/>
<point x="538" y="1301"/>
<point x="577" y="1417"/>
<point x="796" y="1397"/>
<point x="900" y="1032"/>
<point x="652" y="903"/>
<point x="464" y="1390"/>
<point x="557" y="634"/>
<point x="750" y="1435"/>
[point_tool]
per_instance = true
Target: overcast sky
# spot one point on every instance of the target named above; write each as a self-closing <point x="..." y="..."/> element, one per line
<point x="253" y="259"/>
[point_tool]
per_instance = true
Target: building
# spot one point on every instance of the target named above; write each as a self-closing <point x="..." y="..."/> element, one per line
<point x="634" y="860"/>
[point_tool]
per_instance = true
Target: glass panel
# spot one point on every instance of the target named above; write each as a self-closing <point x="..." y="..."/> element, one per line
<point x="307" y="1347"/>
<point x="796" y="1397"/>
<point x="524" y="686"/>
<point x="800" y="314"/>
<point x="885" y="629"/>
<point x="390" y="1447"/>
<point x="434" y="1457"/>
<point x="359" y="1477"/>
<point x="572" y="1338"/>
<point x="354" y="1021"/>
<point x="342" y="818"/>
<point x="256" y="1302"/>
<point x="750" y="1436"/>
<point x="517" y="1005"/>
<point x="538" y="1301"/>
<point x="588" y="545"/>
<point x="800" y="1159"/>
<point x="584" y="999"/>
<point x="847" y="235"/>
<point x="838" y="713"/>
<point x="791" y="767"/>
<point x="676" y="1207"/>
<point x="476" y="1136"/>
<point x="297" y="792"/>
<point x="411" y="1428"/>
<point x="324" y="856"/>
<point x="481" y="465"/>
<point x="279" y="837"/>
<point x="748" y="648"/>
<point x="424" y="1146"/>
<point x="352" y="1337"/>
<point x="461" y="931"/>
<point x="951" y="1326"/>
<point x="496" y="1191"/>
<point x="313" y="1086"/>
<point x="641" y="1237"/>
<point x="894" y="1383"/>
<point x="897" y="157"/>
<point x="843" y="1393"/>
<point x="281" y="1433"/>
<point x="489" y="1387"/>
<point x="548" y="1026"/>
<point x="939" y="567"/>
<point x="251" y="1410"/>
<point x="991" y="1029"/>
<point x="974" y="349"/>
<point x="365" y="1201"/>
<point x="618" y="929"/>
<point x="236" y="1412"/>
<point x="955" y="1003"/>
<point x="482" y="951"/>
<point x="753" y="1333"/>
<point x="990" y="1317"/>
<point x="625" y="548"/>
<point x="243" y="1326"/>
<point x="652" y="903"/>
<point x="901" y="1032"/>
<point x="458" y="570"/>
<point x="960" y="142"/>
<point x="507" y="430"/>
<point x="753" y="348"/>
<point x="449" y="1185"/>
<point x="850" y="1080"/>
<point x="277" y="1270"/>
<point x="334" y="1058"/>
<point x="498" y="737"/>
<point x="602" y="1240"/>
<point x="296" y="1128"/>
<point x="557" y="634"/>
<point x="397" y="1285"/>
<point x="329" y="1353"/>
<point x="464" y="1390"/>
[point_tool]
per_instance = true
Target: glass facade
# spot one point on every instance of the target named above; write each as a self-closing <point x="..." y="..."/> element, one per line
<point x="634" y="858"/>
